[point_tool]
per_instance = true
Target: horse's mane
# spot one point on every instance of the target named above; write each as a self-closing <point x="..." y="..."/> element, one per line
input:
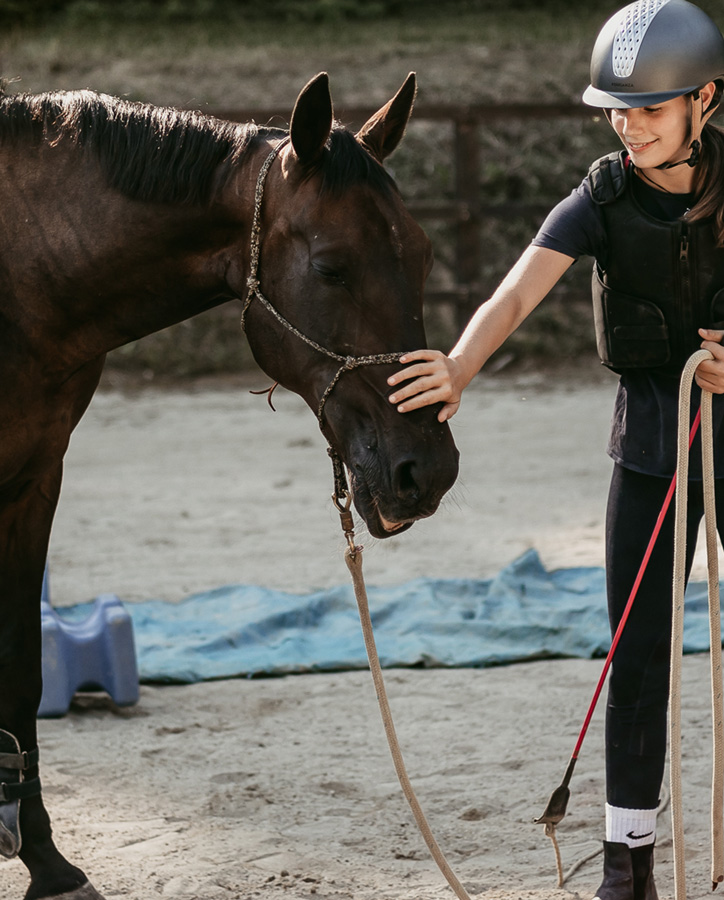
<point x="162" y="154"/>
<point x="147" y="152"/>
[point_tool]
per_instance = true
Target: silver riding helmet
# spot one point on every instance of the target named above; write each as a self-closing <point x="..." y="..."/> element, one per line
<point x="652" y="51"/>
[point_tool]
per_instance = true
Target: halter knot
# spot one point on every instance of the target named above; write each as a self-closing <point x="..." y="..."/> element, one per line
<point x="252" y="282"/>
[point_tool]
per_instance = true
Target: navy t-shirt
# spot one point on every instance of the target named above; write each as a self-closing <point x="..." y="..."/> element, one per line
<point x="645" y="418"/>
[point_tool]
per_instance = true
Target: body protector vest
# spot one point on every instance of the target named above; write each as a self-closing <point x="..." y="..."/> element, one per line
<point x="662" y="280"/>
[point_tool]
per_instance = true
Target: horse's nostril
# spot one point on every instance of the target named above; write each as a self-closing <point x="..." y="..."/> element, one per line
<point x="406" y="486"/>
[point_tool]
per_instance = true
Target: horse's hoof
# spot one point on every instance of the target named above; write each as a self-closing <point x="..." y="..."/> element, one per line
<point x="84" y="892"/>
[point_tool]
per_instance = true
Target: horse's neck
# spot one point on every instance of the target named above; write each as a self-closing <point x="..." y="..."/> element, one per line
<point x="99" y="268"/>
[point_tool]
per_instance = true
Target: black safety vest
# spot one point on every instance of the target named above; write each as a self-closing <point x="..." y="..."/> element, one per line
<point x="662" y="280"/>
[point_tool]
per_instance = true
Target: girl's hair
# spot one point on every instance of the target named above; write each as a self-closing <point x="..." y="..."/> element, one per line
<point x="709" y="180"/>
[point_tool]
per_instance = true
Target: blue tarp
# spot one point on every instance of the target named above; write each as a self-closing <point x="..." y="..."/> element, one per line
<point x="525" y="612"/>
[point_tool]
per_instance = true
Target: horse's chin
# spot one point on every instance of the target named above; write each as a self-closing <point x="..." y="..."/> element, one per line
<point x="380" y="527"/>
<point x="394" y="482"/>
<point x="392" y="527"/>
<point x="369" y="505"/>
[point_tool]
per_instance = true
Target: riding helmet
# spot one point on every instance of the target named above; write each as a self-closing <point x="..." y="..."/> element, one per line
<point x="652" y="51"/>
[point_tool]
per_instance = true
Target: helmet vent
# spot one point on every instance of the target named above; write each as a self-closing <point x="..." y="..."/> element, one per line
<point x="631" y="31"/>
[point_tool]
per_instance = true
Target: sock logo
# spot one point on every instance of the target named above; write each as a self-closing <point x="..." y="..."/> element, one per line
<point x="638" y="837"/>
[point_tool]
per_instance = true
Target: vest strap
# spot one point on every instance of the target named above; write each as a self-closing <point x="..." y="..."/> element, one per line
<point x="607" y="177"/>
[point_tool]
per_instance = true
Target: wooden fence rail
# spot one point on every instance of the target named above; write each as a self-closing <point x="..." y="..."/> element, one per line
<point x="465" y="211"/>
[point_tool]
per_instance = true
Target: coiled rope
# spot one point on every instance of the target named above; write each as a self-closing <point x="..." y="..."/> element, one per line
<point x="677" y="630"/>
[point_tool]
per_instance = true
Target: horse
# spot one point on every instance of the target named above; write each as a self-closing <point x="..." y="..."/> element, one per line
<point x="119" y="219"/>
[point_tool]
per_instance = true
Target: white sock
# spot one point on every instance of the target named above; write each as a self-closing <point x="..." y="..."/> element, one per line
<point x="635" y="827"/>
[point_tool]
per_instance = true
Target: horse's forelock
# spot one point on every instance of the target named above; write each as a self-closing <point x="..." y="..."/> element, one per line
<point x="345" y="162"/>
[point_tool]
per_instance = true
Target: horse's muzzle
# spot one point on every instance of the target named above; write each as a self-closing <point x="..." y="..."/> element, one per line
<point x="391" y="498"/>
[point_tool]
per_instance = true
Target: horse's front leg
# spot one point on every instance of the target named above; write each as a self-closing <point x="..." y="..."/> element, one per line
<point x="26" y="515"/>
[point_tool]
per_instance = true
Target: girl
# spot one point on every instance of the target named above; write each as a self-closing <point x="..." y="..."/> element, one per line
<point x="652" y="217"/>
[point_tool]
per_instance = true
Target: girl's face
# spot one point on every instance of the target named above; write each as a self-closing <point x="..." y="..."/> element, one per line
<point x="654" y="135"/>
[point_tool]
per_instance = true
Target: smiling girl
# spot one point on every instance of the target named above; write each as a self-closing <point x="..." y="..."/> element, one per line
<point x="652" y="217"/>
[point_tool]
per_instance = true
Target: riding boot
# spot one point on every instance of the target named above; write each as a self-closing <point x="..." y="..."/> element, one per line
<point x="642" y="861"/>
<point x="13" y="788"/>
<point x="618" y="873"/>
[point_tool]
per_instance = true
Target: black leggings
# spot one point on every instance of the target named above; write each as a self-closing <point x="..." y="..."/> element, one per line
<point x="636" y="729"/>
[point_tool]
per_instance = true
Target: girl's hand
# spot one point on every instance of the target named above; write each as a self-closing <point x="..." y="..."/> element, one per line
<point x="433" y="378"/>
<point x="710" y="374"/>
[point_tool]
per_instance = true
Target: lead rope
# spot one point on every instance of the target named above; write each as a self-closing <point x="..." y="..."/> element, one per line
<point x="353" y="558"/>
<point x="677" y="631"/>
<point x="342" y="500"/>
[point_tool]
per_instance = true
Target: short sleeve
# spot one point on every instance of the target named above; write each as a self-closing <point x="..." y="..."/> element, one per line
<point x="574" y="227"/>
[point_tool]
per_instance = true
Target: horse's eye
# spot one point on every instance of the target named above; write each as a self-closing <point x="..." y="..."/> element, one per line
<point x="328" y="272"/>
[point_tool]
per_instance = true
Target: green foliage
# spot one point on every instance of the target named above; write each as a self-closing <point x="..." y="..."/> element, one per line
<point x="28" y="11"/>
<point x="310" y="11"/>
<point x="21" y="11"/>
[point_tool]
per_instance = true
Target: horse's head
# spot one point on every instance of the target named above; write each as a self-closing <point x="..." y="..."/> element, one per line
<point x="340" y="276"/>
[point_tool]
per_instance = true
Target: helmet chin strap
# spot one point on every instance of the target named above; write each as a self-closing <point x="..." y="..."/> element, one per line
<point x="697" y="114"/>
<point x="692" y="160"/>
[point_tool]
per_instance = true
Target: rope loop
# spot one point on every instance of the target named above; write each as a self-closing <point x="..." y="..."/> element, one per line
<point x="677" y="629"/>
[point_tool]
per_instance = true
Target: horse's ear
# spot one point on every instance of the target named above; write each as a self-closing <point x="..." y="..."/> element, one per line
<point x="312" y="120"/>
<point x="384" y="131"/>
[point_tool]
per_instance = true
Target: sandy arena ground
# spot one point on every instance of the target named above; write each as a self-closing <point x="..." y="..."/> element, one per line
<point x="284" y="787"/>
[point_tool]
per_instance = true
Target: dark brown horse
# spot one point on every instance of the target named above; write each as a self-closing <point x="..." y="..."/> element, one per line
<point x="118" y="219"/>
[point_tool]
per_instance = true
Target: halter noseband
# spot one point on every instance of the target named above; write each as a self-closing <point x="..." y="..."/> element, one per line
<point x="348" y="362"/>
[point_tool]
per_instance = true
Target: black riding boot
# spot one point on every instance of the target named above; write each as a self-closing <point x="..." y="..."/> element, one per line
<point x="642" y="861"/>
<point x="627" y="873"/>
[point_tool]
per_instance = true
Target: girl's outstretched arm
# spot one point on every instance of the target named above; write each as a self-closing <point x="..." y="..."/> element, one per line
<point x="434" y="377"/>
